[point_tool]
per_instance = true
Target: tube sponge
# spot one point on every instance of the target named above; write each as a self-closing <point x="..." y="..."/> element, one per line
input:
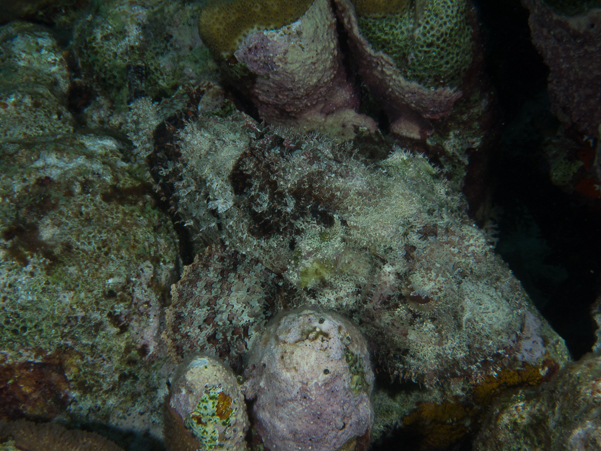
<point x="311" y="376"/>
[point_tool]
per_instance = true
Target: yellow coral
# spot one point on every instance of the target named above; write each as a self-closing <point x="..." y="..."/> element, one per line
<point x="223" y="24"/>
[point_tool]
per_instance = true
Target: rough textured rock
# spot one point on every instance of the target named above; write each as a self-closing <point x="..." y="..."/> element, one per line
<point x="86" y="259"/>
<point x="128" y="50"/>
<point x="27" y="436"/>
<point x="311" y="379"/>
<point x="561" y="415"/>
<point x="569" y="45"/>
<point x="34" y="84"/>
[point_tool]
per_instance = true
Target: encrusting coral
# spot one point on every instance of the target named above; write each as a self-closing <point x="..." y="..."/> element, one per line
<point x="412" y="56"/>
<point x="569" y="45"/>
<point x="412" y="61"/>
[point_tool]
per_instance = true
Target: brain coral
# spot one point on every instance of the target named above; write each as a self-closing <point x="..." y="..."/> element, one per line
<point x="312" y="379"/>
<point x="431" y="42"/>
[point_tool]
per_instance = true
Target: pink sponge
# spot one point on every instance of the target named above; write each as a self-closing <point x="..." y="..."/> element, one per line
<point x="311" y="376"/>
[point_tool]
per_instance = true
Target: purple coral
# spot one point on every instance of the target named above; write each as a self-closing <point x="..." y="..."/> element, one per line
<point x="300" y="76"/>
<point x="312" y="379"/>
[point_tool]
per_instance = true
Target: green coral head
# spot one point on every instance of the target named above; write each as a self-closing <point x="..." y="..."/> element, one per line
<point x="223" y="24"/>
<point x="429" y="40"/>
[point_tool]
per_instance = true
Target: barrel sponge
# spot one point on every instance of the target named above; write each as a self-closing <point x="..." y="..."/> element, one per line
<point x="223" y="24"/>
<point x="430" y="42"/>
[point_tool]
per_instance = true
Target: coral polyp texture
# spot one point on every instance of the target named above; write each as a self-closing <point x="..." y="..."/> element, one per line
<point x="294" y="74"/>
<point x="390" y="246"/>
<point x="205" y="409"/>
<point x="561" y="415"/>
<point x="221" y="303"/>
<point x="85" y="262"/>
<point x="311" y="379"/>
<point x="429" y="41"/>
<point x="413" y="87"/>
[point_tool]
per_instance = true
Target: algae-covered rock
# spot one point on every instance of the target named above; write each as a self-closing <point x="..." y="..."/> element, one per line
<point x="561" y="415"/>
<point x="143" y="48"/>
<point x="34" y="84"/>
<point x="86" y="259"/>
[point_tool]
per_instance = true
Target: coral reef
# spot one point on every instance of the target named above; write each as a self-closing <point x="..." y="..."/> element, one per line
<point x="311" y="379"/>
<point x="205" y="405"/>
<point x="290" y="63"/>
<point x="408" y="103"/>
<point x="34" y="84"/>
<point x="294" y="74"/>
<point x="430" y="42"/>
<point x="27" y="436"/>
<point x="390" y="246"/>
<point x="224" y="24"/>
<point x="563" y="414"/>
<point x="86" y="261"/>
<point x="569" y="46"/>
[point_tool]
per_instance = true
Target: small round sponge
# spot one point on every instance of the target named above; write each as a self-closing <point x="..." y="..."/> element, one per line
<point x="312" y="379"/>
<point x="205" y="403"/>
